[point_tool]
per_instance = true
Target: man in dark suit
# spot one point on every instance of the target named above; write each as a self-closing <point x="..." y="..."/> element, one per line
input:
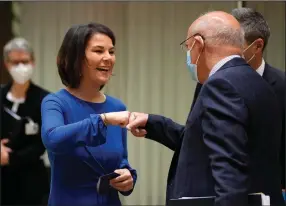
<point x="256" y="33"/>
<point x="230" y="144"/>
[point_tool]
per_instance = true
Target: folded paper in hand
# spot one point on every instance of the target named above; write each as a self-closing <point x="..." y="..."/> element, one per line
<point x="103" y="185"/>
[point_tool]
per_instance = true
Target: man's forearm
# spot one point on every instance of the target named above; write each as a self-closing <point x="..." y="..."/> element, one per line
<point x="164" y="131"/>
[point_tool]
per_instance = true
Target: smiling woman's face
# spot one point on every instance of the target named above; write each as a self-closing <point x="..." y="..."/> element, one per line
<point x="100" y="59"/>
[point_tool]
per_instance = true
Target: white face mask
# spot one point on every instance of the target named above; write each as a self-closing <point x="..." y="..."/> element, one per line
<point x="21" y="73"/>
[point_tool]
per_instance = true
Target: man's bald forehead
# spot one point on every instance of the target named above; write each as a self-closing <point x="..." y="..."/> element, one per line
<point x="218" y="14"/>
<point x="218" y="28"/>
<point x="212" y="20"/>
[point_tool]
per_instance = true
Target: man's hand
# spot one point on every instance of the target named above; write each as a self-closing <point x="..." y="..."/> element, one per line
<point x="116" y="118"/>
<point x="136" y="123"/>
<point x="5" y="152"/>
<point x="124" y="182"/>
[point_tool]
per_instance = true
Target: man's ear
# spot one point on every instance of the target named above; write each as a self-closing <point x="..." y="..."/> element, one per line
<point x="200" y="42"/>
<point x="259" y="45"/>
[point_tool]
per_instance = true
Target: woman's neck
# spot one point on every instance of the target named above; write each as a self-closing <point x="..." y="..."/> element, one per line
<point x="88" y="93"/>
<point x="19" y="90"/>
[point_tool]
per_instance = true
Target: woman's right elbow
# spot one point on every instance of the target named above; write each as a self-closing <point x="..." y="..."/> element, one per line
<point x="53" y="143"/>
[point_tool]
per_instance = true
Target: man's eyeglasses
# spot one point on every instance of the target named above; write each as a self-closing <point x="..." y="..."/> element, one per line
<point x="183" y="45"/>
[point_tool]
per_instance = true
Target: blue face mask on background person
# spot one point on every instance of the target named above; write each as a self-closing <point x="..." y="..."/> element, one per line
<point x="193" y="68"/>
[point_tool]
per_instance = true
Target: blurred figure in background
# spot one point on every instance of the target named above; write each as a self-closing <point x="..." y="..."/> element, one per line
<point x="24" y="177"/>
<point x="256" y="34"/>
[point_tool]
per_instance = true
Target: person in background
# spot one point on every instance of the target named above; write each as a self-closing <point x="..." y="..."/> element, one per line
<point x="256" y="34"/>
<point x="24" y="177"/>
<point x="82" y="127"/>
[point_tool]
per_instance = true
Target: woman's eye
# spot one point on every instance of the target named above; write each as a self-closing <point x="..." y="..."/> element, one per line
<point x="101" y="52"/>
<point x="98" y="51"/>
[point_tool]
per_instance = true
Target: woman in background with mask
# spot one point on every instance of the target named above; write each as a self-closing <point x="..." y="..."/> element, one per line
<point x="24" y="177"/>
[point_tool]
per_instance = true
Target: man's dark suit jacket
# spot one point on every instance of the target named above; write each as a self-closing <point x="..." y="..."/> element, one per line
<point x="276" y="78"/>
<point x="230" y="144"/>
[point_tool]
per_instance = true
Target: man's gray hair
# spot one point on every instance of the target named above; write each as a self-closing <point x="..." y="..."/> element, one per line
<point x="253" y="24"/>
<point x="17" y="44"/>
<point x="216" y="32"/>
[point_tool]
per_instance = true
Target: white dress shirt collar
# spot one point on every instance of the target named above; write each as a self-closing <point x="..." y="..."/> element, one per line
<point x="219" y="64"/>
<point x="261" y="68"/>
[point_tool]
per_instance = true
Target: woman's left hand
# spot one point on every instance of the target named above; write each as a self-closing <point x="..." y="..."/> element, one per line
<point x="124" y="182"/>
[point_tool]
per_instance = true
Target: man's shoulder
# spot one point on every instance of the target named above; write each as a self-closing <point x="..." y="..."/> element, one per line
<point x="235" y="67"/>
<point x="278" y="74"/>
<point x="235" y="73"/>
<point x="242" y="80"/>
<point x="276" y="78"/>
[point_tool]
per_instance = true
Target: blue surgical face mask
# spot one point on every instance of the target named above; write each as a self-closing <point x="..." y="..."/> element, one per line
<point x="193" y="68"/>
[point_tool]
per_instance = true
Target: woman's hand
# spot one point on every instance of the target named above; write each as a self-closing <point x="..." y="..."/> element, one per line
<point x="124" y="182"/>
<point x="116" y="118"/>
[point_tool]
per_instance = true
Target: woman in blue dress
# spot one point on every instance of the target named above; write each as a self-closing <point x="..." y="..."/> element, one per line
<point x="83" y="129"/>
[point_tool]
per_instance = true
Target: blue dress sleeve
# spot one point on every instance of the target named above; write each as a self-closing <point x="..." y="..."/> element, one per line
<point x="125" y="164"/>
<point x="59" y="137"/>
